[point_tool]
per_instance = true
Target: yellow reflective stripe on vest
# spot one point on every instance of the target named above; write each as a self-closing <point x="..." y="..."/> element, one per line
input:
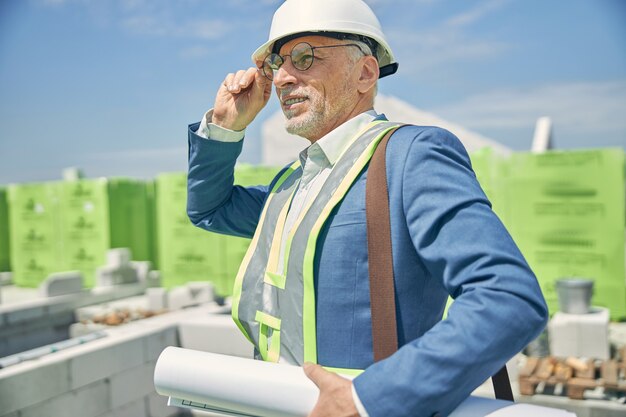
<point x="295" y="226"/>
<point x="344" y="371"/>
<point x="272" y="276"/>
<point x="246" y="260"/>
<point x="308" y="311"/>
<point x="268" y="322"/>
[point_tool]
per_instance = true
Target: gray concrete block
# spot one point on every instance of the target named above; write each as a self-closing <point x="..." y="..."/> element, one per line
<point x="105" y="361"/>
<point x="134" y="409"/>
<point x="88" y="401"/>
<point x="142" y="269"/>
<point x="6" y="278"/>
<point x="157" y="298"/>
<point x="155" y="343"/>
<point x="179" y="297"/>
<point x="157" y="406"/>
<point x="66" y="304"/>
<point x="154" y="279"/>
<point x="131" y="385"/>
<point x="201" y="292"/>
<point x="115" y="275"/>
<point x="24" y="385"/>
<point x="24" y="314"/>
<point x="214" y="333"/>
<point x="62" y="283"/>
<point x="118" y="257"/>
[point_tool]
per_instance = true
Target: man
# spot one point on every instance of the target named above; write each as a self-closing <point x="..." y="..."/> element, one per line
<point x="302" y="293"/>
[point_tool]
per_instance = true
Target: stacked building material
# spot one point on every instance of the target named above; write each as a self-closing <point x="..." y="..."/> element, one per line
<point x="70" y="225"/>
<point x="187" y="253"/>
<point x="575" y="378"/>
<point x="565" y="210"/>
<point x="5" y="263"/>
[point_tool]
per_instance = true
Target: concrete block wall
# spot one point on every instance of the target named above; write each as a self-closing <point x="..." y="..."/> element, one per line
<point x="112" y="376"/>
<point x="38" y="322"/>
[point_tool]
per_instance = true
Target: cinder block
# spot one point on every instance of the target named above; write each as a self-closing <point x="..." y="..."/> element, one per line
<point x="215" y="333"/>
<point x="134" y="409"/>
<point x="201" y="292"/>
<point x="154" y="279"/>
<point x="66" y="305"/>
<point x="27" y="384"/>
<point x="94" y="365"/>
<point x="178" y="298"/>
<point x="115" y="275"/>
<point x="157" y="406"/>
<point x="132" y="385"/>
<point x="142" y="268"/>
<point x="157" y="298"/>
<point x="580" y="335"/>
<point x="24" y="314"/>
<point x="118" y="257"/>
<point x="88" y="401"/>
<point x="62" y="283"/>
<point x="155" y="343"/>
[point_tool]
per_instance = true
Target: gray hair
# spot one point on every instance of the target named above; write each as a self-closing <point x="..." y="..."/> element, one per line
<point x="357" y="53"/>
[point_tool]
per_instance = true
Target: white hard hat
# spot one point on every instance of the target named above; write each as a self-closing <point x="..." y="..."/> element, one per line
<point x="296" y="18"/>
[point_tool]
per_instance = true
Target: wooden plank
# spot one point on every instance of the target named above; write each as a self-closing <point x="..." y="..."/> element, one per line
<point x="545" y="368"/>
<point x="609" y="372"/>
<point x="529" y="367"/>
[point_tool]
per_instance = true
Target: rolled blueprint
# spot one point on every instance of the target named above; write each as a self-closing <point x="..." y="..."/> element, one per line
<point x="232" y="386"/>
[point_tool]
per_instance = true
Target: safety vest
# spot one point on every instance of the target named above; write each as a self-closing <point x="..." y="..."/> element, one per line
<point x="275" y="307"/>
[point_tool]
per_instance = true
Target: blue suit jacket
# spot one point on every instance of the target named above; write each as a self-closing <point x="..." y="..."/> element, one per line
<point x="445" y="239"/>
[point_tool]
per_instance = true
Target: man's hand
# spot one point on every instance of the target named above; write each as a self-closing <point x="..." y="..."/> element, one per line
<point x="335" y="399"/>
<point x="240" y="98"/>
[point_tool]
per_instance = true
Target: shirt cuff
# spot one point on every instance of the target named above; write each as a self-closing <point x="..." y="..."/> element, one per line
<point x="212" y="131"/>
<point x="359" y="405"/>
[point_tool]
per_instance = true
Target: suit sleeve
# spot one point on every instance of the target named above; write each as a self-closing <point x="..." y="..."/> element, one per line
<point x="498" y="306"/>
<point x="214" y="203"/>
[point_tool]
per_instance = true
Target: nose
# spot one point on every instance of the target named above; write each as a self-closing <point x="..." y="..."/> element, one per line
<point x="285" y="75"/>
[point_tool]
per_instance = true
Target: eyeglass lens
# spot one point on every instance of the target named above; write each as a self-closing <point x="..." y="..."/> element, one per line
<point x="301" y="58"/>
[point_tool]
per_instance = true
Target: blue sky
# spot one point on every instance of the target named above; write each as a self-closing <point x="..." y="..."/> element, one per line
<point x="110" y="85"/>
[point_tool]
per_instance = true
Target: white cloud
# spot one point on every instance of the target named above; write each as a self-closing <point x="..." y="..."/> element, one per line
<point x="470" y="16"/>
<point x="155" y="26"/>
<point x="194" y="52"/>
<point x="54" y="2"/>
<point x="449" y="42"/>
<point x="422" y="51"/>
<point x="143" y="163"/>
<point x="580" y="111"/>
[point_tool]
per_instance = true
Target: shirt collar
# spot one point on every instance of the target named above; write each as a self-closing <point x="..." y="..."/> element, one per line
<point x="335" y="142"/>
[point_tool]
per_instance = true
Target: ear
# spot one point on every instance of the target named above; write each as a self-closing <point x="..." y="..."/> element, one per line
<point x="369" y="74"/>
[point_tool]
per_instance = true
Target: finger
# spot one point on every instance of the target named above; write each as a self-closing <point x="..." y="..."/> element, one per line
<point x="262" y="86"/>
<point x="317" y="374"/>
<point x="236" y="83"/>
<point x="228" y="81"/>
<point x="248" y="77"/>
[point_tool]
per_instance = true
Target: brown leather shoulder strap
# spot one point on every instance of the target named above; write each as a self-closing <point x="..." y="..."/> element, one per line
<point x="382" y="288"/>
<point x="382" y="293"/>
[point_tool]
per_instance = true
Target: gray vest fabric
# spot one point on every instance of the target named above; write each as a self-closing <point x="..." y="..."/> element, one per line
<point x="287" y="304"/>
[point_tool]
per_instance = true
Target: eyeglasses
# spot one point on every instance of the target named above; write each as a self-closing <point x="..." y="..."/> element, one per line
<point x="302" y="56"/>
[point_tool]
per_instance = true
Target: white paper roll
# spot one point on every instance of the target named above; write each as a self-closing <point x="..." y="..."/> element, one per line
<point x="233" y="386"/>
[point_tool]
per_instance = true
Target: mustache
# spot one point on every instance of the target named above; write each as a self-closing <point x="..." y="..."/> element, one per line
<point x="286" y="92"/>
